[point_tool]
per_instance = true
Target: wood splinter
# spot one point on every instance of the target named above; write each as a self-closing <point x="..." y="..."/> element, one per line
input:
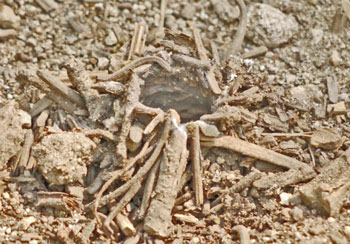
<point x="196" y="163"/>
<point x="255" y="151"/>
<point x="172" y="166"/>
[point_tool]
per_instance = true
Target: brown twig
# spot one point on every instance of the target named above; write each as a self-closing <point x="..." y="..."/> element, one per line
<point x="132" y="98"/>
<point x="125" y="225"/>
<point x="191" y="61"/>
<point x="154" y="123"/>
<point x="252" y="150"/>
<point x="140" y="173"/>
<point x="173" y="163"/>
<point x="143" y="109"/>
<point x="118" y="173"/>
<point x="57" y="85"/>
<point x="25" y="152"/>
<point x="148" y="190"/>
<point x="213" y="84"/>
<point x="162" y="13"/>
<point x="138" y="40"/>
<point x="236" y="44"/>
<point x="215" y="53"/>
<point x="137" y="62"/>
<point x="196" y="163"/>
<point x="121" y="204"/>
<point x="244" y="183"/>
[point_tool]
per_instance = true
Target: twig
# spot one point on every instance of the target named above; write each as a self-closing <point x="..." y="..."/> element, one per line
<point x="243" y="234"/>
<point x="125" y="225"/>
<point x="148" y="190"/>
<point x="312" y="155"/>
<point x="138" y="40"/>
<point x="40" y="106"/>
<point x="196" y="164"/>
<point x="213" y="84"/>
<point x="191" y="61"/>
<point x="25" y="152"/>
<point x="154" y="122"/>
<point x="120" y="205"/>
<point x="242" y="27"/>
<point x="101" y="217"/>
<point x="305" y="134"/>
<point x="132" y="98"/>
<point x="162" y="13"/>
<point x="140" y="173"/>
<point x="215" y="53"/>
<point x="123" y="71"/>
<point x="253" y="150"/>
<point x="143" y="109"/>
<point x="283" y="179"/>
<point x="255" y="52"/>
<point x="173" y="163"/>
<point x="185" y="197"/>
<point x="244" y="183"/>
<point x="118" y="173"/>
<point x="61" y="88"/>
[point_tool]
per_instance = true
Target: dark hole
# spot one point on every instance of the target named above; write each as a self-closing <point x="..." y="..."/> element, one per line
<point x="183" y="91"/>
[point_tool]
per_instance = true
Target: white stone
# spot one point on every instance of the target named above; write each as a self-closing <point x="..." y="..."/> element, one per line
<point x="103" y="63"/>
<point x="285" y="197"/>
<point x="269" y="26"/>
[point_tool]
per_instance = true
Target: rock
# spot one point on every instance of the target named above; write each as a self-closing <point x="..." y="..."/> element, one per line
<point x="328" y="191"/>
<point x="297" y="214"/>
<point x="326" y="138"/>
<point x="188" y="11"/>
<point x="111" y="39"/>
<point x="290" y="79"/>
<point x="317" y="35"/>
<point x="103" y="63"/>
<point x="337" y="109"/>
<point x="347" y="231"/>
<point x="285" y="198"/>
<point x="26" y="222"/>
<point x="11" y="132"/>
<point x="207" y="129"/>
<point x="268" y="25"/>
<point x="62" y="158"/>
<point x="8" y="19"/>
<point x="225" y="10"/>
<point x="335" y="60"/>
<point x="7" y="34"/>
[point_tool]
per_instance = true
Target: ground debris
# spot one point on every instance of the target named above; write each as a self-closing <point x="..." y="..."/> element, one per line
<point x="330" y="188"/>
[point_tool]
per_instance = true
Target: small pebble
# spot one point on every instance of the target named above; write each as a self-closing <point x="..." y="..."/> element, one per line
<point x="297" y="214"/>
<point x="331" y="220"/>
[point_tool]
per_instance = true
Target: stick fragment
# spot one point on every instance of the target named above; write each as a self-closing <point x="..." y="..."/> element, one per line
<point x="242" y="28"/>
<point x="252" y="150"/>
<point x="140" y="173"/>
<point x="173" y="163"/>
<point x="57" y="85"/>
<point x="124" y="224"/>
<point x="137" y="62"/>
<point x="213" y="84"/>
<point x="196" y="163"/>
<point x="148" y="190"/>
